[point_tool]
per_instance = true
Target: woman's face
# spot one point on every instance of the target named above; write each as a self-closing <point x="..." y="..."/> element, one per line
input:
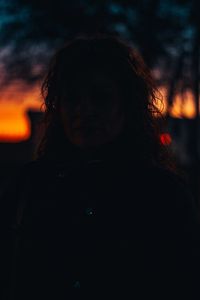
<point x="91" y="112"/>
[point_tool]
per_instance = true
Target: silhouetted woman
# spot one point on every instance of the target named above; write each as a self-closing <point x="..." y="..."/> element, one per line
<point x="100" y="213"/>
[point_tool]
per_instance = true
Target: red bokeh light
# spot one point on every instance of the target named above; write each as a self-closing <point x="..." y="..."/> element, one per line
<point x="165" y="139"/>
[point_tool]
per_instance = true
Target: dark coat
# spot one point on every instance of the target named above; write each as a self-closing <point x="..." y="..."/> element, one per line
<point x="99" y="230"/>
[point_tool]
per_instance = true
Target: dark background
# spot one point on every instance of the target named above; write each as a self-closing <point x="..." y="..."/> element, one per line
<point x="166" y="33"/>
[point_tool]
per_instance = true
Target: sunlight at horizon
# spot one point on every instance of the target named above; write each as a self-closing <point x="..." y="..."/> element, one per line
<point x="17" y="99"/>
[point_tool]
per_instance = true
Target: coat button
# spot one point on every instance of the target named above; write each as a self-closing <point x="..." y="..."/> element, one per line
<point x="61" y="174"/>
<point x="77" y="284"/>
<point x="89" y="211"/>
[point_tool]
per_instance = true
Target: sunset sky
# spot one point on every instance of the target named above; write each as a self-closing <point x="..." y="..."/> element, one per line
<point x="33" y="29"/>
<point x="17" y="98"/>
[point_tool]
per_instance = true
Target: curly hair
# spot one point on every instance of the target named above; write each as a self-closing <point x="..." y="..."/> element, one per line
<point x="137" y="87"/>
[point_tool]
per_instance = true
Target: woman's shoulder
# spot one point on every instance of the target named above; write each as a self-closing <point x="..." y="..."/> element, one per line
<point x="21" y="175"/>
<point x="174" y="190"/>
<point x="19" y="185"/>
<point x="164" y="176"/>
<point x="34" y="165"/>
<point x="35" y="168"/>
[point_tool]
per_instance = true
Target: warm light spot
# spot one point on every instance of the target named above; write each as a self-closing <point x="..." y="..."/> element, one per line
<point x="15" y="100"/>
<point x="14" y="125"/>
<point x="188" y="107"/>
<point x="165" y="139"/>
<point x="183" y="106"/>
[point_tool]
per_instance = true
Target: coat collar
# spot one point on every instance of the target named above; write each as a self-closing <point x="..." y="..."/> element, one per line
<point x="115" y="152"/>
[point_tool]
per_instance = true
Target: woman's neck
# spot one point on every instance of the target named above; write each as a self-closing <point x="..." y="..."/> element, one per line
<point x="118" y="150"/>
<point x="115" y="149"/>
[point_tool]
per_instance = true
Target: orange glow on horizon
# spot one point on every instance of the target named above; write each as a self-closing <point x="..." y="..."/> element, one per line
<point x="14" y="125"/>
<point x="17" y="98"/>
<point x="183" y="104"/>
